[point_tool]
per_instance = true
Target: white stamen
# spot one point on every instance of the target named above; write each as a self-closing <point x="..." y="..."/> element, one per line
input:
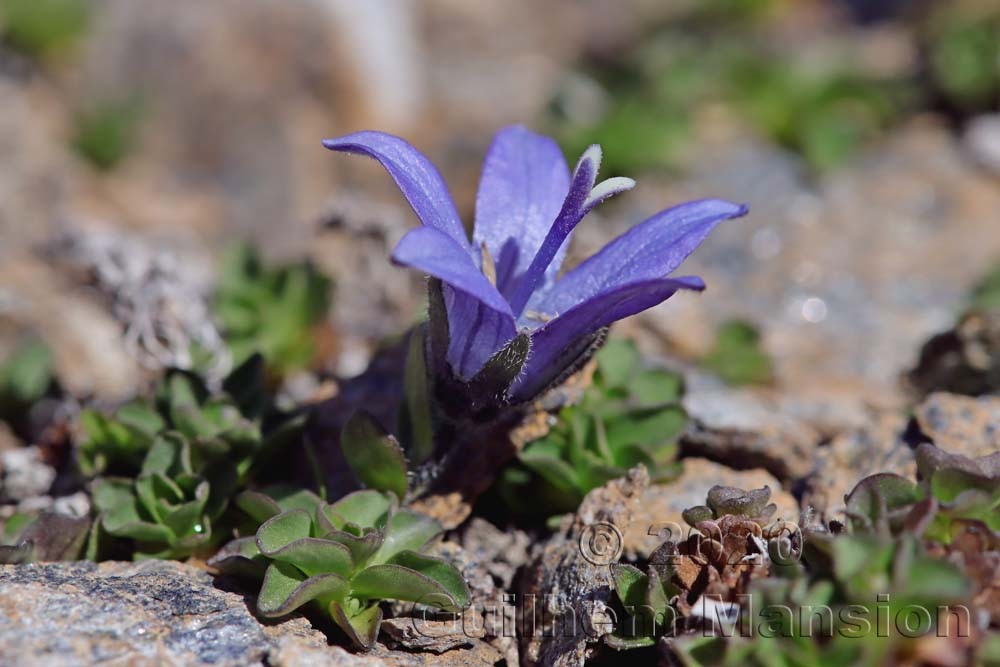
<point x="608" y="188"/>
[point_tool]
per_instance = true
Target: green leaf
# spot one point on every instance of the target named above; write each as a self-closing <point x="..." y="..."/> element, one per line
<point x="737" y="357"/>
<point x="141" y="418"/>
<point x="285" y="589"/>
<point x="655" y="387"/>
<point x="271" y="310"/>
<point x="407" y="530"/>
<point x="656" y="594"/>
<point x="361" y="548"/>
<point x="169" y="455"/>
<point x="881" y="500"/>
<point x="440" y="571"/>
<point x="111" y="444"/>
<point x="373" y="455"/>
<point x="283" y="529"/>
<point x="555" y="471"/>
<point x="188" y="518"/>
<point x="935" y="582"/>
<point x="617" y="361"/>
<point x="120" y="512"/>
<point x="25" y="376"/>
<point x="362" y="626"/>
<point x="436" y="585"/>
<point x="312" y="556"/>
<point x="417" y="418"/>
<point x="42" y="28"/>
<point x="645" y="427"/>
<point x="365" y="508"/>
<point x="261" y="505"/>
<point x="630" y="584"/>
<point x="241" y="558"/>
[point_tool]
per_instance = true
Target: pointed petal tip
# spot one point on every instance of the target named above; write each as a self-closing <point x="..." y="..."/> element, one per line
<point x="594" y="154"/>
<point x="346" y="141"/>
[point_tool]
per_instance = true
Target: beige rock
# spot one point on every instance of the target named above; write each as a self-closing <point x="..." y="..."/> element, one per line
<point x="852" y="456"/>
<point x="961" y="424"/>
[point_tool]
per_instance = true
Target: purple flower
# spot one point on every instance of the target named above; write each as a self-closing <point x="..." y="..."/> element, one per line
<point x="506" y="281"/>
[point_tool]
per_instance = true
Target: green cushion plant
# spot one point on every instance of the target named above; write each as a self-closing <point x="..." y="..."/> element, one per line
<point x="345" y="558"/>
<point x="271" y="310"/>
<point x="167" y="468"/>
<point x="630" y="415"/>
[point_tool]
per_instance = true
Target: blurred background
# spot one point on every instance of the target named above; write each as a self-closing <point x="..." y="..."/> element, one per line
<point x="142" y="142"/>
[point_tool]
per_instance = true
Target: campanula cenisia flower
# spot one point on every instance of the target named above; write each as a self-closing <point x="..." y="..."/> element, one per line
<point x="506" y="280"/>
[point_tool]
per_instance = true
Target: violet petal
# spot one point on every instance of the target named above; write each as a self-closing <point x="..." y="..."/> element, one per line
<point x="549" y="341"/>
<point x="435" y="253"/>
<point x="417" y="178"/>
<point x="647" y="251"/>
<point x="523" y="184"/>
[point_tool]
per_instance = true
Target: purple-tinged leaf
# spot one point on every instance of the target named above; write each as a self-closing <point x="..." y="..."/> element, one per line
<point x="417" y="178"/>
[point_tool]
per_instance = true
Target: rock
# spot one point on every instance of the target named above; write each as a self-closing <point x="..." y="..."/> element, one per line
<point x="159" y="295"/>
<point x="89" y="353"/>
<point x="500" y="553"/>
<point x="746" y="429"/>
<point x="569" y="583"/>
<point x="846" y="274"/>
<point x="82" y="613"/>
<point x="881" y="446"/>
<point x="963" y="360"/>
<point x="961" y="424"/>
<point x="164" y="612"/>
<point x="982" y="140"/>
<point x="291" y="652"/>
<point x="425" y="635"/>
<point x="23" y="474"/>
<point x="661" y="505"/>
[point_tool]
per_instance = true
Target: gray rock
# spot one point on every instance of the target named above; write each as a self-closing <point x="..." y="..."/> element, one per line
<point x="23" y="474"/>
<point x="168" y="613"/>
<point x="131" y="613"/>
<point x="746" y="429"/>
<point x="567" y="587"/>
<point x="982" y="140"/>
<point x="846" y="275"/>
